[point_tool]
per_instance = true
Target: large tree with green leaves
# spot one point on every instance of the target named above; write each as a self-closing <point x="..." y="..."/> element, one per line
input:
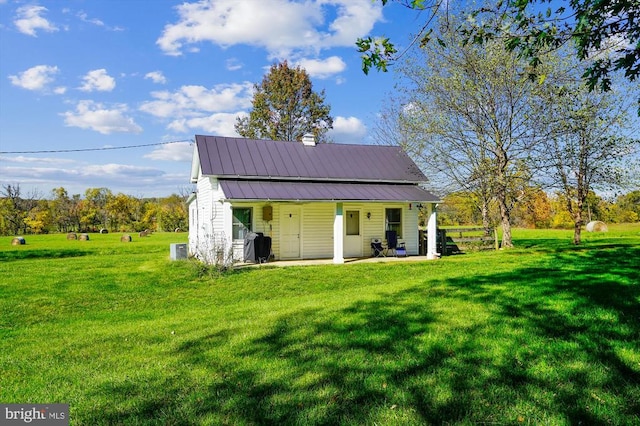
<point x="285" y="107"/>
<point x="605" y="33"/>
<point x="590" y="143"/>
<point x="468" y="114"/>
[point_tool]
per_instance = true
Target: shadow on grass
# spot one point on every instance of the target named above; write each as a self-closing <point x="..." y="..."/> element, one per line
<point x="558" y="343"/>
<point x="41" y="254"/>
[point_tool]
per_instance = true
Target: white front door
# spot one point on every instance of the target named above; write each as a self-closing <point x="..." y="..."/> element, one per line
<point x="352" y="234"/>
<point x="290" y="232"/>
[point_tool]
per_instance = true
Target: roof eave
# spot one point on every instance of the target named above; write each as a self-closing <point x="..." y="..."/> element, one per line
<point x="317" y="179"/>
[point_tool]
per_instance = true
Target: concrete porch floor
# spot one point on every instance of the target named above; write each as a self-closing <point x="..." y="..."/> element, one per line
<point x="349" y="261"/>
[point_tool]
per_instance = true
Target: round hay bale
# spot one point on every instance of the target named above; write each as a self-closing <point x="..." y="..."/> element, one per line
<point x="126" y="238"/>
<point x="18" y="241"/>
<point x="72" y="236"/>
<point x="597" y="226"/>
<point x="178" y="230"/>
<point x="104" y="231"/>
<point x="143" y="234"/>
<point x="84" y="237"/>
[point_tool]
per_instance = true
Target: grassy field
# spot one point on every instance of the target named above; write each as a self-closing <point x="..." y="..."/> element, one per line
<point x="547" y="333"/>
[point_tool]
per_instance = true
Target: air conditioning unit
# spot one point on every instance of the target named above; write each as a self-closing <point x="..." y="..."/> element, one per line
<point x="178" y="251"/>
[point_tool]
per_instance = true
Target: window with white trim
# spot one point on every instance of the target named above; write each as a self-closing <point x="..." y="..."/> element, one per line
<point x="393" y="221"/>
<point x="242" y="223"/>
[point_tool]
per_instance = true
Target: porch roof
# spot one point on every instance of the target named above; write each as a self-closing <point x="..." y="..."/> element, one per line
<point x="323" y="191"/>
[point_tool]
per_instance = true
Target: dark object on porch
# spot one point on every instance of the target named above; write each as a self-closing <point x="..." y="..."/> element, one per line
<point x="392" y="244"/>
<point x="257" y="247"/>
<point x="376" y="247"/>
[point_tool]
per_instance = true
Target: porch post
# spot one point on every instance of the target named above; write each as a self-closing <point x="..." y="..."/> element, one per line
<point x="431" y="233"/>
<point x="338" y="243"/>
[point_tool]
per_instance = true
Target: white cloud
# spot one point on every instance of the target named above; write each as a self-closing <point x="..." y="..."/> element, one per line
<point x="190" y="101"/>
<point x="348" y="130"/>
<point x="115" y="170"/>
<point x="156" y="77"/>
<point x="77" y="177"/>
<point x="98" y="80"/>
<point x="323" y="68"/>
<point x="94" y="116"/>
<point x="233" y="64"/>
<point x="280" y="26"/>
<point x="35" y="160"/>
<point x="85" y="18"/>
<point x="28" y="20"/>
<point x="35" y="78"/>
<point x="179" y="151"/>
<point x="221" y="124"/>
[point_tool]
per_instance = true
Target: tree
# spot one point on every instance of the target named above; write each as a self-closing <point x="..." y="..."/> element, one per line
<point x="92" y="210"/>
<point x="64" y="210"/>
<point x="629" y="205"/>
<point x="39" y="218"/>
<point x="587" y="147"/>
<point x="469" y="113"/>
<point x="285" y="107"/>
<point x="606" y="34"/>
<point x="535" y="209"/>
<point x="122" y="211"/>
<point x="173" y="213"/>
<point x="14" y="208"/>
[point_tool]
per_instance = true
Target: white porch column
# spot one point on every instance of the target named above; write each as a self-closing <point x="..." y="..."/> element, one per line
<point x="338" y="232"/>
<point x="432" y="230"/>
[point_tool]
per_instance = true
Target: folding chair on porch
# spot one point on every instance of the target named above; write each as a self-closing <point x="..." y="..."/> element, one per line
<point x="377" y="249"/>
<point x="392" y="244"/>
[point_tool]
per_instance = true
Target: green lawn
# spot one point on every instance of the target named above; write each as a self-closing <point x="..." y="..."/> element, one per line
<point x="547" y="333"/>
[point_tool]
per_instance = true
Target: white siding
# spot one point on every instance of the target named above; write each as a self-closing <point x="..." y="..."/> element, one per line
<point x="317" y="230"/>
<point x="209" y="235"/>
<point x="214" y="224"/>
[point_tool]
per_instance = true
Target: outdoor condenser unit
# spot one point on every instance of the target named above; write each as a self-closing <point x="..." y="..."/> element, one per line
<point x="178" y="251"/>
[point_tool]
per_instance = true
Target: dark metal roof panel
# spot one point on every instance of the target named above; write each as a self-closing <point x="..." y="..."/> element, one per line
<point x="221" y="156"/>
<point x="321" y="191"/>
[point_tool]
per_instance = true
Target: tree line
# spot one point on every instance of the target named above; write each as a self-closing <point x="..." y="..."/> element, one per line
<point x="540" y="210"/>
<point x="96" y="209"/>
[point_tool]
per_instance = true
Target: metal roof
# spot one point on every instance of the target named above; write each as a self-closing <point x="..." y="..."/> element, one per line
<point x="323" y="191"/>
<point x="282" y="160"/>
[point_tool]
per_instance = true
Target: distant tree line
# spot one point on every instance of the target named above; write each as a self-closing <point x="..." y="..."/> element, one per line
<point x="538" y="209"/>
<point x="98" y="209"/>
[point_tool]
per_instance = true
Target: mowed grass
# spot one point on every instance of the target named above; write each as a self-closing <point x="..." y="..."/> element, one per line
<point x="547" y="333"/>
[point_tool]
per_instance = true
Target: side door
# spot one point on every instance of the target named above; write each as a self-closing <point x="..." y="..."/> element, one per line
<point x="290" y="232"/>
<point x="352" y="234"/>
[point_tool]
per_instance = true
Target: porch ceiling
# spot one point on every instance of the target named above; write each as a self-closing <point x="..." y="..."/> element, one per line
<point x="323" y="191"/>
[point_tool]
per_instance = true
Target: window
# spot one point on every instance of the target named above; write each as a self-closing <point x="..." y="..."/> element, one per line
<point x="241" y="222"/>
<point x="353" y="222"/>
<point x="393" y="221"/>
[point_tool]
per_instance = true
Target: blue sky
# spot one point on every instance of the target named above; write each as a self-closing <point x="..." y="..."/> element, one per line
<point x="98" y="74"/>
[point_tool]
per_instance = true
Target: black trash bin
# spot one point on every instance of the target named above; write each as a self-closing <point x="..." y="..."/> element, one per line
<point x="264" y="249"/>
